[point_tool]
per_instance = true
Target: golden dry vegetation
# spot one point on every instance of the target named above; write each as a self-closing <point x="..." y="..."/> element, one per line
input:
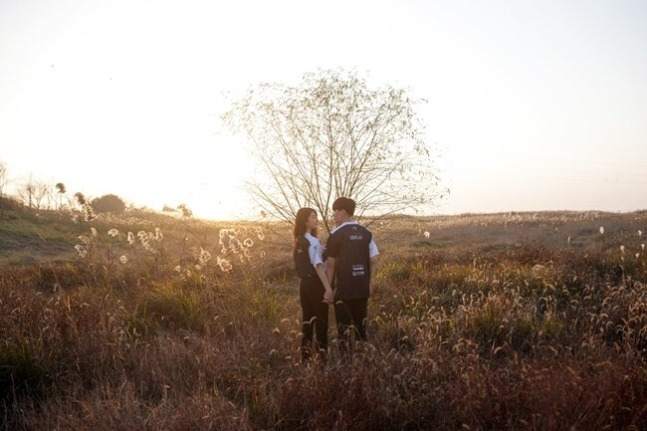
<point x="521" y="321"/>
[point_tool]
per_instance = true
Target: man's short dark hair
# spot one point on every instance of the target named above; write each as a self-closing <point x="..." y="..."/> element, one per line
<point x="346" y="204"/>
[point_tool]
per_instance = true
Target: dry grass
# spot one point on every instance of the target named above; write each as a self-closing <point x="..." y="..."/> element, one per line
<point x="501" y="321"/>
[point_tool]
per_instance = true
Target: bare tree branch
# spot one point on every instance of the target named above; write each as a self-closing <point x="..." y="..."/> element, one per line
<point x="332" y="135"/>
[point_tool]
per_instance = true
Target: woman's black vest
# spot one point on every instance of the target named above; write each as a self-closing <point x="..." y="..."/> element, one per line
<point x="302" y="258"/>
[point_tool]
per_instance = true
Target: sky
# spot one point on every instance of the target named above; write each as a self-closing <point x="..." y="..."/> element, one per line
<point x="533" y="105"/>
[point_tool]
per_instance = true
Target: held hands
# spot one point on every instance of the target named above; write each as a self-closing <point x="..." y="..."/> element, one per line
<point x="328" y="296"/>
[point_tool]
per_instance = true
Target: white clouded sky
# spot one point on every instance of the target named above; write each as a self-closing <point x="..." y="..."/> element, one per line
<point x="536" y="105"/>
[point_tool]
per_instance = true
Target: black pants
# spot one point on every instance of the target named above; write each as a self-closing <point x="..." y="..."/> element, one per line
<point x="315" y="317"/>
<point x="351" y="320"/>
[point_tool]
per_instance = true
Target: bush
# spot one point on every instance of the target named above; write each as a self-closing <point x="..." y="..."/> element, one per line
<point x="108" y="204"/>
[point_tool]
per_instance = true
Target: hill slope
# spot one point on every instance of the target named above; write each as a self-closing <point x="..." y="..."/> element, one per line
<point x="28" y="237"/>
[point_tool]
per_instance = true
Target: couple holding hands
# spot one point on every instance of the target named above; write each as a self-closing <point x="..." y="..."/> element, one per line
<point x="342" y="279"/>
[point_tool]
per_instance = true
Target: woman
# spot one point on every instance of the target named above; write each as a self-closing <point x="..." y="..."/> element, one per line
<point x="314" y="289"/>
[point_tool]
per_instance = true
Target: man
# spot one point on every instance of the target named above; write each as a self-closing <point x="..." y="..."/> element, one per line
<point x="350" y="265"/>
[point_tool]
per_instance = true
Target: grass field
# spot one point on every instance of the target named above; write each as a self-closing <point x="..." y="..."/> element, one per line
<point x="520" y="321"/>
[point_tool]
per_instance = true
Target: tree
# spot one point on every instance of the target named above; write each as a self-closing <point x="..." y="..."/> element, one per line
<point x="32" y="193"/>
<point x="3" y="183"/>
<point x="332" y="135"/>
<point x="108" y="204"/>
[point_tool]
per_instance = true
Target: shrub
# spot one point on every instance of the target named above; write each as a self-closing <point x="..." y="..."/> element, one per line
<point x="108" y="204"/>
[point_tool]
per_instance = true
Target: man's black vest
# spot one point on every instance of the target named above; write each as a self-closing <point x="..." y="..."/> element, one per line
<point x="349" y="245"/>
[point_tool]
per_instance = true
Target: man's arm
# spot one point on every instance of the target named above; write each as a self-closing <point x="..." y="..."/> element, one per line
<point x="373" y="267"/>
<point x="330" y="269"/>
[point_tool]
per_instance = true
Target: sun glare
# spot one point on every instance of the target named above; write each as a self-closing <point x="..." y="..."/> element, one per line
<point x="523" y="104"/>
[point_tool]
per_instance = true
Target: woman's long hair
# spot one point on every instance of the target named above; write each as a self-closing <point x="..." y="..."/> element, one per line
<point x="300" y="223"/>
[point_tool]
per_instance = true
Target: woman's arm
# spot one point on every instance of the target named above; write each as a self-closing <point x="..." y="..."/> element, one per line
<point x="328" y="294"/>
